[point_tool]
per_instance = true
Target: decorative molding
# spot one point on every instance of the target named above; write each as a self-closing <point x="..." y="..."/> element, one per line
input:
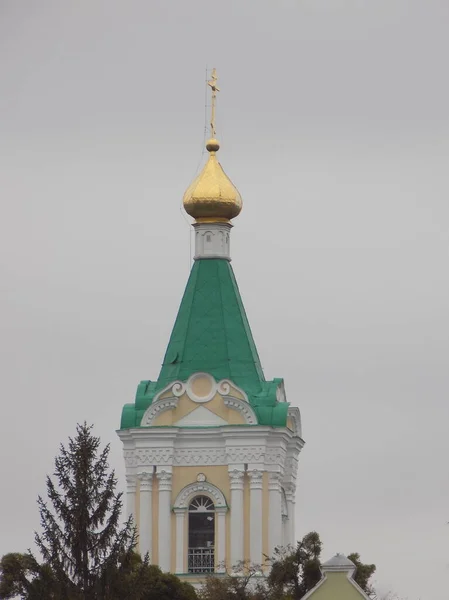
<point x="274" y="482"/>
<point x="146" y="481"/>
<point x="158" y="407"/>
<point x="199" y="456"/>
<point x="243" y="407"/>
<point x="280" y="393"/>
<point x="177" y="388"/>
<point x="295" y="416"/>
<point x="146" y="457"/>
<point x="209" y="395"/>
<point x="187" y="457"/>
<point x="236" y="479"/>
<point x="200" y="487"/>
<point x="291" y="466"/>
<point x="275" y="456"/>
<point x="245" y="454"/>
<point x="284" y="505"/>
<point x="212" y="240"/>
<point x="131" y="482"/>
<point x="255" y="479"/>
<point x="165" y="481"/>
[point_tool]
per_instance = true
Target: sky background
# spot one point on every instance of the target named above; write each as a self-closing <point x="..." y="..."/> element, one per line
<point x="333" y="117"/>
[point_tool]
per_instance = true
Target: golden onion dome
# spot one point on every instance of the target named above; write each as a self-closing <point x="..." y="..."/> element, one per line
<point x="212" y="197"/>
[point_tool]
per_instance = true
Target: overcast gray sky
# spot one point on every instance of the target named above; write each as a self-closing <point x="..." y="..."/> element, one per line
<point x="334" y="122"/>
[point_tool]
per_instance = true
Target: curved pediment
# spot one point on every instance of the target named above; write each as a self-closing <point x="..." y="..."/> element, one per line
<point x="221" y="403"/>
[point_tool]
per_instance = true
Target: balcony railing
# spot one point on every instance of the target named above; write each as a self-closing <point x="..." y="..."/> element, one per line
<point x="201" y="560"/>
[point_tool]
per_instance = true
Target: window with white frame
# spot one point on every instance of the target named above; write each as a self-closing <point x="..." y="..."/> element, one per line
<point x="201" y="557"/>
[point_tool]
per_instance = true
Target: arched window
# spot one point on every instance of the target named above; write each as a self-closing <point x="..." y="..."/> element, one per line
<point x="201" y="535"/>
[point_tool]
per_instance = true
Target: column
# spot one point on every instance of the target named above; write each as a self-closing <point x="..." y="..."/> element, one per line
<point x="291" y="506"/>
<point x="237" y="525"/>
<point x="275" y="512"/>
<point x="165" y="481"/>
<point x="131" y="496"/>
<point x="146" y="512"/>
<point x="220" y="542"/>
<point x="255" y="525"/>
<point x="180" y="550"/>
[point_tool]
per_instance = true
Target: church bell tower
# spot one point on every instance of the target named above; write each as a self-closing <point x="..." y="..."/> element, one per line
<point x="211" y="447"/>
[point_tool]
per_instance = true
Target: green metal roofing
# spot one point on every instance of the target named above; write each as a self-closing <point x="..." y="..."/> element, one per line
<point x="211" y="331"/>
<point x="212" y="334"/>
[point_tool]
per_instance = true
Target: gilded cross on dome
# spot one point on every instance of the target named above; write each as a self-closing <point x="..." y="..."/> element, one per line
<point x="213" y="86"/>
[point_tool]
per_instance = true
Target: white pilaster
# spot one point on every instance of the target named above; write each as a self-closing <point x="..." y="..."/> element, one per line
<point x="146" y="512"/>
<point x="255" y="487"/>
<point x="131" y="496"/>
<point x="165" y="484"/>
<point x="220" y="544"/>
<point x="180" y="521"/>
<point x="275" y="512"/>
<point x="212" y="240"/>
<point x="291" y="505"/>
<point x="237" y="525"/>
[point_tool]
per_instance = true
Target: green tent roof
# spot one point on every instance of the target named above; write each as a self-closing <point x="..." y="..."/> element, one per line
<point x="211" y="331"/>
<point x="212" y="334"/>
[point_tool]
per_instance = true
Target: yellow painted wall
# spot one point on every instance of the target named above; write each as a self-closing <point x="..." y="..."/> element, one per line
<point x="186" y="406"/>
<point x="336" y="587"/>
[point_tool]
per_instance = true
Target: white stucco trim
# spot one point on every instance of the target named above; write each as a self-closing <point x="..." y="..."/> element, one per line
<point x="243" y="407"/>
<point x="178" y="388"/>
<point x="157" y="408"/>
<point x="203" y="488"/>
<point x="295" y="415"/>
<point x="236" y="479"/>
<point x="180" y="518"/>
<point x="180" y="508"/>
<point x="275" y="512"/>
<point x="146" y="512"/>
<point x="255" y="521"/>
<point x="212" y="240"/>
<point x="164" y="535"/>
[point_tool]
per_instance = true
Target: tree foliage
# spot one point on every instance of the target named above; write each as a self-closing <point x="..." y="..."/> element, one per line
<point x="22" y="576"/>
<point x="362" y="573"/>
<point x="82" y="540"/>
<point x="87" y="553"/>
<point x="235" y="587"/>
<point x="294" y="571"/>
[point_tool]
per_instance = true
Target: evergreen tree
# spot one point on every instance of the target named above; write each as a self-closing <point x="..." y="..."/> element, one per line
<point x="87" y="554"/>
<point x="82" y="541"/>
